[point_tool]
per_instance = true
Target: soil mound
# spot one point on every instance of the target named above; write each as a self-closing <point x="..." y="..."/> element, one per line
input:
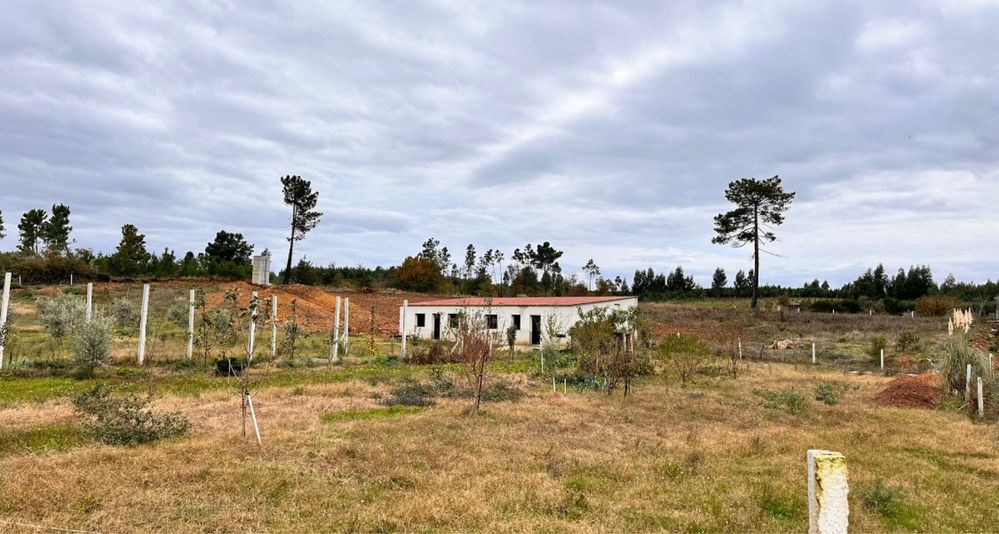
<point x="909" y="391"/>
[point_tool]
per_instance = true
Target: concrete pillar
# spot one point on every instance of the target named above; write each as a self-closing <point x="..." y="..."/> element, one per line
<point x="402" y="326"/>
<point x="813" y="354"/>
<point x="740" y="348"/>
<point x="967" y="385"/>
<point x="142" y="323"/>
<point x="90" y="300"/>
<point x="3" y="312"/>
<point x="335" y="351"/>
<point x="274" y="318"/>
<point x="190" y="325"/>
<point x="828" y="508"/>
<point x="882" y="359"/>
<point x="346" y="326"/>
<point x="70" y="279"/>
<point x="981" y="399"/>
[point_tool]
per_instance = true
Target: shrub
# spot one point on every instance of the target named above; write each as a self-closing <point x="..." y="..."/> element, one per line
<point x="788" y="400"/>
<point x="881" y="498"/>
<point x="501" y="390"/>
<point x="61" y="315"/>
<point x="877" y="345"/>
<point x="955" y="355"/>
<point x="410" y="392"/>
<point x="177" y="313"/>
<point x="126" y="419"/>
<point x="92" y="345"/>
<point x="828" y="393"/>
<point x="936" y="306"/>
<point x="907" y="342"/>
<point x="125" y="313"/>
<point x="684" y="354"/>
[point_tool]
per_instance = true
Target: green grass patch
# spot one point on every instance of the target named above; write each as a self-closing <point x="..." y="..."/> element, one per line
<point x="371" y="413"/>
<point x="40" y="439"/>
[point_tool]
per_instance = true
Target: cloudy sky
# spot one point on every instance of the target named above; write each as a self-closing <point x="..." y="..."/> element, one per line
<point x="610" y="129"/>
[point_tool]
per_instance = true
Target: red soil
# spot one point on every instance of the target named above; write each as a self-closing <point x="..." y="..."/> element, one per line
<point x="910" y="391"/>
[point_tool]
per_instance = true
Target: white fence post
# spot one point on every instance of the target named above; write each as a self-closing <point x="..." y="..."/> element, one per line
<point x="251" y="340"/>
<point x="190" y="325"/>
<point x="346" y="326"/>
<point x="142" y="323"/>
<point x="828" y="507"/>
<point x="90" y="300"/>
<point x="967" y="385"/>
<point x="813" y="353"/>
<point x="3" y="313"/>
<point x="402" y="326"/>
<point x="335" y="351"/>
<point x="882" y="359"/>
<point x="981" y="399"/>
<point x="274" y="318"/>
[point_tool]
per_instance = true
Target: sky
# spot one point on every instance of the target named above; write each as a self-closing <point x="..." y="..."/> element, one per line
<point x="609" y="129"/>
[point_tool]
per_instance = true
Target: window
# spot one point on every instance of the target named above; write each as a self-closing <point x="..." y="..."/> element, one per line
<point x="421" y="320"/>
<point x="516" y="322"/>
<point x="492" y="322"/>
<point x="452" y="320"/>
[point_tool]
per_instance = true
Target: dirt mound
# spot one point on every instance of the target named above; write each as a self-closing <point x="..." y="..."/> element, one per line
<point x="909" y="391"/>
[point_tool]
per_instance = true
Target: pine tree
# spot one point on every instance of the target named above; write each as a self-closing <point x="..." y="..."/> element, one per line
<point x="299" y="195"/>
<point x="30" y="228"/>
<point x="55" y="231"/>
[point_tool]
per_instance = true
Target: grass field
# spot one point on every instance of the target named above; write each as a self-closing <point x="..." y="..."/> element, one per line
<point x="718" y="454"/>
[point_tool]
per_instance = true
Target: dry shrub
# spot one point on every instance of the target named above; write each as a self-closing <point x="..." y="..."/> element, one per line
<point x="936" y="306"/>
<point x="126" y="419"/>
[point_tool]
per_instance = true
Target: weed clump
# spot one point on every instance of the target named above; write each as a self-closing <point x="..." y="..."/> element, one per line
<point x="828" y="393"/>
<point x="881" y="498"/>
<point x="126" y="419"/>
<point x="787" y="400"/>
<point x="125" y="313"/>
<point x="91" y="346"/>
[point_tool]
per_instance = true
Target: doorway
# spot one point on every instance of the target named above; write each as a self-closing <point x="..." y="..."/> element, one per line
<point x="535" y="330"/>
<point x="437" y="326"/>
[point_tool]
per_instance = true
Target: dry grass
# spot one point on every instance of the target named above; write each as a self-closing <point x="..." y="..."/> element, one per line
<point x="707" y="457"/>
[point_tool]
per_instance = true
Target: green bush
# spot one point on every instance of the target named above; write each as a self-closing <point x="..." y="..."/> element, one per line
<point x="787" y="400"/>
<point x="92" y="345"/>
<point x="827" y="393"/>
<point x="61" y="315"/>
<point x="955" y="355"/>
<point x="125" y="313"/>
<point x="126" y="419"/>
<point x="907" y="342"/>
<point x="877" y="345"/>
<point x="177" y="313"/>
<point x="881" y="498"/>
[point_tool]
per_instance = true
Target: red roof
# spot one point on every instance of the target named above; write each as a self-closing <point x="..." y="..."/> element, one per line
<point x="518" y="301"/>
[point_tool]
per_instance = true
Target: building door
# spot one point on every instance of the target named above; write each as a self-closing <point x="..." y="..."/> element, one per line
<point x="535" y="330"/>
<point x="437" y="326"/>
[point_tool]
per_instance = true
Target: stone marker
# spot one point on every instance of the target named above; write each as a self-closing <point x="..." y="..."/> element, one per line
<point x="142" y="323"/>
<point x="3" y="312"/>
<point x="828" y="508"/>
<point x="190" y="325"/>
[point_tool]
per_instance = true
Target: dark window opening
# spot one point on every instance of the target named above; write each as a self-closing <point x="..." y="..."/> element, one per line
<point x="516" y="322"/>
<point x="452" y="320"/>
<point x="492" y="322"/>
<point x="421" y="320"/>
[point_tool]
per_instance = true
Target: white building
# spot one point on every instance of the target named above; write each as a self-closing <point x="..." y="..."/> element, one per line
<point x="529" y="315"/>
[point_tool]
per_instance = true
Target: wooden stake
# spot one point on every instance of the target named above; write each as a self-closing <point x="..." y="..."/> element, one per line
<point x="253" y="416"/>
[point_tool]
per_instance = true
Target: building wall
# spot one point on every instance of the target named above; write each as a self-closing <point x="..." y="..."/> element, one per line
<point x="566" y="316"/>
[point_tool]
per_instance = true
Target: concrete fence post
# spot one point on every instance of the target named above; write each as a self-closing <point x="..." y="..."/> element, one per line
<point x="967" y="385"/>
<point x="882" y="359"/>
<point x="981" y="399"/>
<point x="190" y="324"/>
<point x="90" y="300"/>
<point x="274" y="319"/>
<point x="402" y="325"/>
<point x="813" y="353"/>
<point x="3" y="313"/>
<point x="143" y="317"/>
<point x="346" y="326"/>
<point x="740" y="348"/>
<point x="335" y="352"/>
<point x="251" y="338"/>
<point x="828" y="507"/>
